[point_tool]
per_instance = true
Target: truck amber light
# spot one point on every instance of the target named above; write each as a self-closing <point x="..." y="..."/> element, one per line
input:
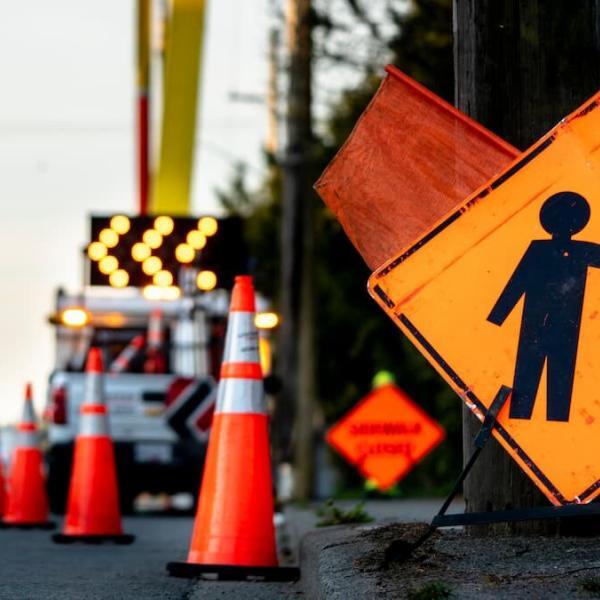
<point x="265" y="354"/>
<point x="96" y="251"/>
<point x="164" y="225"/>
<point x="152" y="265"/>
<point x="119" y="278"/>
<point x="266" y="320"/>
<point x="140" y="251"/>
<point x="171" y="293"/>
<point x="206" y="281"/>
<point x="152" y="238"/>
<point x="163" y="278"/>
<point x="184" y="253"/>
<point x="208" y="226"/>
<point x="120" y="224"/>
<point x="196" y="239"/>
<point x="108" y="264"/>
<point x="109" y="238"/>
<point x="154" y="292"/>
<point x="74" y="317"/>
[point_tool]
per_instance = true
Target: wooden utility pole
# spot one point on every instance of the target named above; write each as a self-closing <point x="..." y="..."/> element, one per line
<point x="272" y="144"/>
<point x="296" y="346"/>
<point x="519" y="68"/>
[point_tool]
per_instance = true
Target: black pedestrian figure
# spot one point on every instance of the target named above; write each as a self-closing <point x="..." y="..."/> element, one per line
<point x="551" y="275"/>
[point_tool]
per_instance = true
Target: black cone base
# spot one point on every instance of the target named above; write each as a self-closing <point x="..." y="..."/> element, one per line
<point x="232" y="572"/>
<point x="46" y="525"/>
<point x="63" y="538"/>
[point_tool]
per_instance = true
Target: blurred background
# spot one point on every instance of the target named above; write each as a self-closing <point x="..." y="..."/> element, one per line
<point x="69" y="148"/>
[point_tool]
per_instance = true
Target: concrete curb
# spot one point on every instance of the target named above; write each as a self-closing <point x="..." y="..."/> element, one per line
<point x="327" y="560"/>
<point x="347" y="562"/>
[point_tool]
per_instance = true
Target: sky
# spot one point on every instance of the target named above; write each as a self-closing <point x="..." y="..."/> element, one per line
<point x="67" y="102"/>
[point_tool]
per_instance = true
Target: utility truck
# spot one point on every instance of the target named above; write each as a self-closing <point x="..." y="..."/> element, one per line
<point x="154" y="452"/>
<point x="155" y="299"/>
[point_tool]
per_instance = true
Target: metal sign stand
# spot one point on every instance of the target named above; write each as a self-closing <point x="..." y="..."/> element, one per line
<point x="399" y="550"/>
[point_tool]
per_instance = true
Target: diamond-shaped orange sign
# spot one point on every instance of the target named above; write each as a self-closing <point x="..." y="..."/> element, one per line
<point x="506" y="291"/>
<point x="385" y="435"/>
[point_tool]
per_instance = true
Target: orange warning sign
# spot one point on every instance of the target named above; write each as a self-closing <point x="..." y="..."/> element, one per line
<point x="505" y="290"/>
<point x="385" y="435"/>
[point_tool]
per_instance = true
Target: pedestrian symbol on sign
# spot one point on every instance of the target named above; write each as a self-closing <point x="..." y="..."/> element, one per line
<point x="551" y="276"/>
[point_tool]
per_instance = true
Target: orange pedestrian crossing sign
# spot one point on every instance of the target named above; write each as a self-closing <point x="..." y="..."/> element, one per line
<point x="505" y="290"/>
<point x="385" y="435"/>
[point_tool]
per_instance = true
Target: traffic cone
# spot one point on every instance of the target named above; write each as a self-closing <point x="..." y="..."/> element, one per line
<point x="27" y="500"/>
<point x="155" y="359"/>
<point x="123" y="361"/>
<point x="2" y="490"/>
<point x="233" y="535"/>
<point x="93" y="504"/>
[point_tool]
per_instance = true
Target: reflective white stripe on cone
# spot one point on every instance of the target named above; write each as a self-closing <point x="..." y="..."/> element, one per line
<point x="241" y="396"/>
<point x="93" y="423"/>
<point x="241" y="340"/>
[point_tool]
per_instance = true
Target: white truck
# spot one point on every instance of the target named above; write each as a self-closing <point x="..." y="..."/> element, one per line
<point x="151" y="455"/>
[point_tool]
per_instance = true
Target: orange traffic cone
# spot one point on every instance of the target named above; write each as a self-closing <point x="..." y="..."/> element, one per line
<point x="93" y="504"/>
<point x="2" y="490"/>
<point x="27" y="501"/>
<point x="233" y="535"/>
<point x="155" y="362"/>
<point x="123" y="361"/>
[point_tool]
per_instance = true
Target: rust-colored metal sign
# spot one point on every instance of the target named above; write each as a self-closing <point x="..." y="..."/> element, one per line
<point x="385" y="435"/>
<point x="505" y="290"/>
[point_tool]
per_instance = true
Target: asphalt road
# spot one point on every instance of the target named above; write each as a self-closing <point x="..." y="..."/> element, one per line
<point x="32" y="567"/>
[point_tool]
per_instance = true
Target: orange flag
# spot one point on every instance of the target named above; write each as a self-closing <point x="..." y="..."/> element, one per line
<point x="411" y="158"/>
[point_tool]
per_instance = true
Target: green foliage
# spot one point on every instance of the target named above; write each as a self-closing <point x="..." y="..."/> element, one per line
<point x="262" y="211"/>
<point x="590" y="585"/>
<point x="423" y="48"/>
<point x="436" y="590"/>
<point x="354" y="339"/>
<point x="333" y="515"/>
